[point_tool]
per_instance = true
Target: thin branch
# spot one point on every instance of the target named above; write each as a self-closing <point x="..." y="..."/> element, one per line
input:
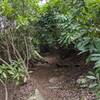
<point x="6" y="90"/>
<point x="4" y="61"/>
<point x="27" y="54"/>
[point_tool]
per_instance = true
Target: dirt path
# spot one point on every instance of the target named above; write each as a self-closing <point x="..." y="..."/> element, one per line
<point x="60" y="82"/>
<point x="56" y="81"/>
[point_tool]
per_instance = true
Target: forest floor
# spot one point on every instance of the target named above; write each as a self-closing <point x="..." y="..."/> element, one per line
<point x="58" y="80"/>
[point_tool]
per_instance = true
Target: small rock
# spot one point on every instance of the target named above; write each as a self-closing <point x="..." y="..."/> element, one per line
<point x="31" y="98"/>
<point x="83" y="98"/>
<point x="53" y="80"/>
<point x="38" y="95"/>
<point x="82" y="82"/>
<point x="54" y="87"/>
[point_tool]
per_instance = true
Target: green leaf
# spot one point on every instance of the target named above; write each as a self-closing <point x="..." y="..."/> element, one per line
<point x="93" y="85"/>
<point x="10" y="72"/>
<point x="91" y="77"/>
<point x="0" y="70"/>
<point x="4" y="75"/>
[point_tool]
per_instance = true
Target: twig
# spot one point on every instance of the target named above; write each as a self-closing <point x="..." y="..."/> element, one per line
<point x="4" y="61"/>
<point x="27" y="54"/>
<point x="6" y="91"/>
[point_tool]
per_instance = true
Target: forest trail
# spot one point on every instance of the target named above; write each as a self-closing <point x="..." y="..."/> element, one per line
<point x="57" y="80"/>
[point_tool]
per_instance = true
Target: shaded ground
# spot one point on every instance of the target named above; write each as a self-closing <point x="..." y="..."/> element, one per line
<point x="56" y="80"/>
